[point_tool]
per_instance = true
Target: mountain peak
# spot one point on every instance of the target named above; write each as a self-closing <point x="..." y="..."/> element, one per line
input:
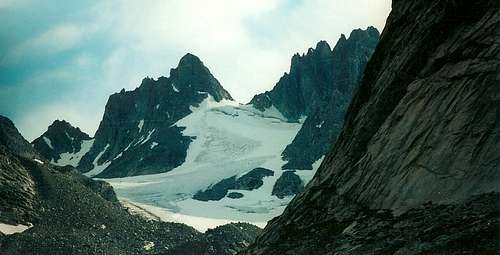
<point x="192" y="74"/>
<point x="60" y="124"/>
<point x="60" y="137"/>
<point x="323" y="46"/>
<point x="360" y="34"/>
<point x="190" y="59"/>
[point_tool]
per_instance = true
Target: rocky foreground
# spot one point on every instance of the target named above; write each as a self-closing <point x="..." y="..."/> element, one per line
<point x="73" y="214"/>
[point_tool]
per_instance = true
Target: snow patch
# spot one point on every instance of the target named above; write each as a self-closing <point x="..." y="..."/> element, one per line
<point x="140" y="125"/>
<point x="175" y="88"/>
<point x="8" y="229"/>
<point x="320" y="124"/>
<point x="201" y="224"/>
<point x="149" y="136"/>
<point x="48" y="142"/>
<point x="73" y="159"/>
<point x="126" y="148"/>
<point x="148" y="245"/>
<point x="98" y="168"/>
<point x="38" y="161"/>
<point x="157" y="106"/>
<point x="153" y="144"/>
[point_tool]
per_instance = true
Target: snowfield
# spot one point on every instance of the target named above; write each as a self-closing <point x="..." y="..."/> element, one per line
<point x="231" y="139"/>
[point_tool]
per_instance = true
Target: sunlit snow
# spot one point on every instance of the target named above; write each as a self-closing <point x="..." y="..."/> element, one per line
<point x="231" y="139"/>
<point x="98" y="168"/>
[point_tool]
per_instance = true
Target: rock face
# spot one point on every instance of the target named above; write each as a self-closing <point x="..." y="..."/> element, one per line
<point x="223" y="240"/>
<point x="137" y="134"/>
<point x="73" y="214"/>
<point x="287" y="185"/>
<point x="13" y="141"/>
<point x="60" y="138"/>
<point x="235" y="195"/>
<point x="320" y="85"/>
<point x="421" y="129"/>
<point x="249" y="181"/>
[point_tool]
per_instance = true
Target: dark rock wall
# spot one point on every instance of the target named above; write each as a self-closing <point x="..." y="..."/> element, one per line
<point x="320" y="85"/>
<point x="13" y="141"/>
<point x="420" y="129"/>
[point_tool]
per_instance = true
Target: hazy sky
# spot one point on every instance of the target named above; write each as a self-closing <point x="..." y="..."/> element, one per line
<point x="62" y="59"/>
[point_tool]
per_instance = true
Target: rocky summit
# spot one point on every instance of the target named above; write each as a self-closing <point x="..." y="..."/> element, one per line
<point x="61" y="143"/>
<point x="415" y="167"/>
<point x="137" y="136"/>
<point x="319" y="87"/>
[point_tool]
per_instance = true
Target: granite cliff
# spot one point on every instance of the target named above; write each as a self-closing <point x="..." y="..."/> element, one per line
<point x="415" y="168"/>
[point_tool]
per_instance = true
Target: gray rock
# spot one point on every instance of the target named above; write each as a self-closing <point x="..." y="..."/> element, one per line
<point x="12" y="140"/>
<point x="234" y="195"/>
<point x="288" y="184"/>
<point x="216" y="191"/>
<point x="249" y="181"/>
<point x="320" y="85"/>
<point x="63" y="138"/>
<point x="253" y="179"/>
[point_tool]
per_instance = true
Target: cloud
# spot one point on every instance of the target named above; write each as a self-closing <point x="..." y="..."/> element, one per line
<point x="78" y="60"/>
<point x="58" y="38"/>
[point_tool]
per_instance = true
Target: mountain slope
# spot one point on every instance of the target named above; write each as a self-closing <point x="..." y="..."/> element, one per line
<point x="15" y="143"/>
<point x="319" y="86"/>
<point x="136" y="135"/>
<point x="231" y="141"/>
<point x="180" y="145"/>
<point x="420" y="130"/>
<point x="63" y="144"/>
<point x="17" y="188"/>
<point x="73" y="214"/>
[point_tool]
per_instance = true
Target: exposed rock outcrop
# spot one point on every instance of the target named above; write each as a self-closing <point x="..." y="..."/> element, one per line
<point x="223" y="240"/>
<point x="421" y="129"/>
<point x="13" y="141"/>
<point x="249" y="181"/>
<point x="60" y="137"/>
<point x="288" y="184"/>
<point x="319" y="86"/>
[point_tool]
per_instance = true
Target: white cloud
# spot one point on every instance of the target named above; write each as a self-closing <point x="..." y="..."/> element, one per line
<point x="58" y="38"/>
<point x="150" y="38"/>
<point x="247" y="45"/>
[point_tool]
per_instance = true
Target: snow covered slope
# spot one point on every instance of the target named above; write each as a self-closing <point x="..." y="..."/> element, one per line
<point x="229" y="139"/>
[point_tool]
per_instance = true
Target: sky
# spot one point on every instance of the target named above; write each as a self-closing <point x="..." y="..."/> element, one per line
<point x="62" y="59"/>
